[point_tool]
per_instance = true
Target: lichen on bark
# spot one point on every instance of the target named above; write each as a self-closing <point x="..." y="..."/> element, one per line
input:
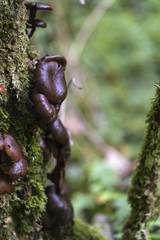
<point x="143" y="195"/>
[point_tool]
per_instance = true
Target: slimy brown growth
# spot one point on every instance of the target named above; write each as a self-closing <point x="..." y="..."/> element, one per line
<point x="12" y="163"/>
<point x="32" y="22"/>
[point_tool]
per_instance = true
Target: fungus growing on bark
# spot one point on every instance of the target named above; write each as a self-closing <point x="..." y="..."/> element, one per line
<point x="12" y="163"/>
<point x="50" y="86"/>
<point x="32" y="22"/>
<point x="58" y="217"/>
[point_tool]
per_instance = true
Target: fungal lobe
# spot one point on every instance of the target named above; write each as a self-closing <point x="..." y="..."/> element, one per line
<point x="59" y="132"/>
<point x="12" y="163"/>
<point x="57" y="58"/>
<point x="61" y="208"/>
<point x="37" y="5"/>
<point x="39" y="23"/>
<point x="43" y="107"/>
<point x="12" y="148"/>
<point x="50" y="80"/>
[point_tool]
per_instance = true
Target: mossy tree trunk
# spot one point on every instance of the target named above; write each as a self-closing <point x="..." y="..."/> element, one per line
<point x="144" y="196"/>
<point x="20" y="211"/>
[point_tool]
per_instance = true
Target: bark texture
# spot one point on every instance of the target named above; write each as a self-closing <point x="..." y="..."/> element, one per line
<point x="20" y="211"/>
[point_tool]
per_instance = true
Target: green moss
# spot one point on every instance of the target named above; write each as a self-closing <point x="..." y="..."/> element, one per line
<point x="21" y="210"/>
<point x="83" y="231"/>
<point x="143" y="194"/>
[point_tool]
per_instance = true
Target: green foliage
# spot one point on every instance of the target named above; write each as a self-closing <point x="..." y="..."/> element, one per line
<point x="98" y="193"/>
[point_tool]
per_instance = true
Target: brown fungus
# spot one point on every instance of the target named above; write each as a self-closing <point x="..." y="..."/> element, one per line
<point x="12" y="163"/>
<point x="45" y="109"/>
<point x="12" y="148"/>
<point x="58" y="217"/>
<point x="32" y="22"/>
<point x="50" y="86"/>
<point x="50" y="79"/>
<point x="59" y="133"/>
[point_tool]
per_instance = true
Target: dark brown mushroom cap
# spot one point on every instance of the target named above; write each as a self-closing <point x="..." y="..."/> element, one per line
<point x="43" y="6"/>
<point x="12" y="148"/>
<point x="50" y="81"/>
<point x="57" y="58"/>
<point x="39" y="23"/>
<point x="37" y="5"/>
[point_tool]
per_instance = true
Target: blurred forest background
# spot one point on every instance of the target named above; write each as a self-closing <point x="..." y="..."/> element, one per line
<point x="113" y="53"/>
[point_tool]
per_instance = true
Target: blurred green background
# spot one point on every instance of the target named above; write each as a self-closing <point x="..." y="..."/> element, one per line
<point x="112" y="48"/>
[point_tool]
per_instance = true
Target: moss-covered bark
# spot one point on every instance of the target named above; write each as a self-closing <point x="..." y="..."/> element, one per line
<point x="82" y="231"/>
<point x="20" y="211"/>
<point x="143" y="194"/>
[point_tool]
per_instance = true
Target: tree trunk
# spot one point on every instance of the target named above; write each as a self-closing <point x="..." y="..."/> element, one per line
<point x="143" y="194"/>
<point x="20" y="210"/>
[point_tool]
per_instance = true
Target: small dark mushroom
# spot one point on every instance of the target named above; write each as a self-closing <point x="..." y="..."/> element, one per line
<point x="32" y="22"/>
<point x="37" y="5"/>
<point x="38" y="23"/>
